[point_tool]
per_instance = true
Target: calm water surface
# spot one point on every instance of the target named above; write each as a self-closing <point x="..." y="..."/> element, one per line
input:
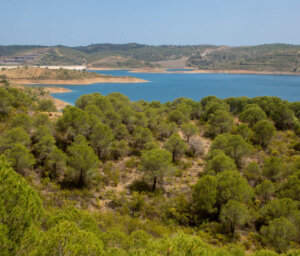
<point x="167" y="87"/>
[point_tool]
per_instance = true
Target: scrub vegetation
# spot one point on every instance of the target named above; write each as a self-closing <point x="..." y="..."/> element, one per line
<point x="109" y="176"/>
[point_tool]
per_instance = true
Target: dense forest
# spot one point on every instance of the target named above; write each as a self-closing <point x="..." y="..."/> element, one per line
<point x="109" y="176"/>
<point x="270" y="57"/>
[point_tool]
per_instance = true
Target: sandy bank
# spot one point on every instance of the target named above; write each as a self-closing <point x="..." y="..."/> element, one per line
<point x="157" y="71"/>
<point x="59" y="104"/>
<point x="107" y="68"/>
<point x="82" y="81"/>
<point x="205" y="71"/>
<point x="56" y="89"/>
<point x="48" y="67"/>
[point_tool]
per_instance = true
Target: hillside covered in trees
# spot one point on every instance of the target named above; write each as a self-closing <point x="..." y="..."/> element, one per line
<point x="271" y="57"/>
<point x="113" y="177"/>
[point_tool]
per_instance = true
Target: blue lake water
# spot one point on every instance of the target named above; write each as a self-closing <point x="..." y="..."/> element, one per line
<point x="167" y="87"/>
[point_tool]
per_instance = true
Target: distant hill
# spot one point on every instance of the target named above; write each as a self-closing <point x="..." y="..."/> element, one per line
<point x="271" y="57"/>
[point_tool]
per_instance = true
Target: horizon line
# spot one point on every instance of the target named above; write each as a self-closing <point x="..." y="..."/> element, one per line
<point x="143" y="44"/>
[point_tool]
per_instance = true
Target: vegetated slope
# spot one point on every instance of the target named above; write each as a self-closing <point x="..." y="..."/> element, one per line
<point x="274" y="57"/>
<point x="135" y="178"/>
<point x="271" y="57"/>
<point x="33" y="73"/>
<point x="130" y="55"/>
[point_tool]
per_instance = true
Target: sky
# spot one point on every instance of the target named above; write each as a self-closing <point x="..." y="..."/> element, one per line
<point x="153" y="22"/>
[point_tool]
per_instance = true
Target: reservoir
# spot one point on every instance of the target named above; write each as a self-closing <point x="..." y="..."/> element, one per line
<point x="165" y="87"/>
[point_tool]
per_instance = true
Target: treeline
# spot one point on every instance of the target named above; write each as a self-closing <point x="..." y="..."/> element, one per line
<point x="242" y="156"/>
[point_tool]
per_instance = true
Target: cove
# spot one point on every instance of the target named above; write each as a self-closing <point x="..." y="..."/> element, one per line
<point x="169" y="86"/>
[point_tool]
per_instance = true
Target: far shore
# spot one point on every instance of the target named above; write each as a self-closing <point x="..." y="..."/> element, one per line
<point x="203" y="71"/>
<point x="56" y="90"/>
<point x="107" y="68"/>
<point x="206" y="71"/>
<point x="137" y="70"/>
<point x="81" y="81"/>
<point x="75" y="67"/>
<point x="197" y="71"/>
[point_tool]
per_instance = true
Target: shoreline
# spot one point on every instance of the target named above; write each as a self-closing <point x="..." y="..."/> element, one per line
<point x="61" y="104"/>
<point x="73" y="67"/>
<point x="137" y="70"/>
<point x="199" y="71"/>
<point x="207" y="71"/>
<point x="80" y="82"/>
<point x="250" y="72"/>
<point x="107" y="68"/>
<point x="56" y="90"/>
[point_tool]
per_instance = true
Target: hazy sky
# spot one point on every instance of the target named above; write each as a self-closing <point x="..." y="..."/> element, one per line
<point x="82" y="22"/>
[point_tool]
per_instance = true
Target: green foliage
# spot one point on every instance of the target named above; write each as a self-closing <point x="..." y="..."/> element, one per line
<point x="6" y="245"/>
<point x="252" y="172"/>
<point x="200" y="199"/>
<point x="213" y="105"/>
<point x="244" y="131"/>
<point x="10" y="99"/>
<point x="41" y="119"/>
<point x="277" y="208"/>
<point x="23" y="121"/>
<point x="265" y="190"/>
<point x="219" y="122"/>
<point x="189" y="130"/>
<point x="283" y="116"/>
<point x="156" y="163"/>
<point x="20" y="207"/>
<point x="176" y="146"/>
<point x="273" y="168"/>
<point x="220" y="162"/>
<point x="56" y="164"/>
<point x="233" y="145"/>
<point x="66" y="238"/>
<point x="252" y="115"/>
<point x="279" y="233"/>
<point x="237" y="104"/>
<point x="120" y="132"/>
<point x="44" y="147"/>
<point x="182" y="244"/>
<point x="263" y="132"/>
<point x="290" y="188"/>
<point x="141" y="136"/>
<point x="73" y="122"/>
<point x="101" y="140"/>
<point x="15" y="136"/>
<point x="83" y="162"/>
<point x="177" y="117"/>
<point x="234" y="214"/>
<point x="120" y="149"/>
<point x="46" y="106"/>
<point x="205" y="194"/>
<point x="231" y="185"/>
<point x="20" y="158"/>
<point x="165" y="130"/>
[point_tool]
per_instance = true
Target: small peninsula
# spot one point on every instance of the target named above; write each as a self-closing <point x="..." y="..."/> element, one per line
<point x="36" y="75"/>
